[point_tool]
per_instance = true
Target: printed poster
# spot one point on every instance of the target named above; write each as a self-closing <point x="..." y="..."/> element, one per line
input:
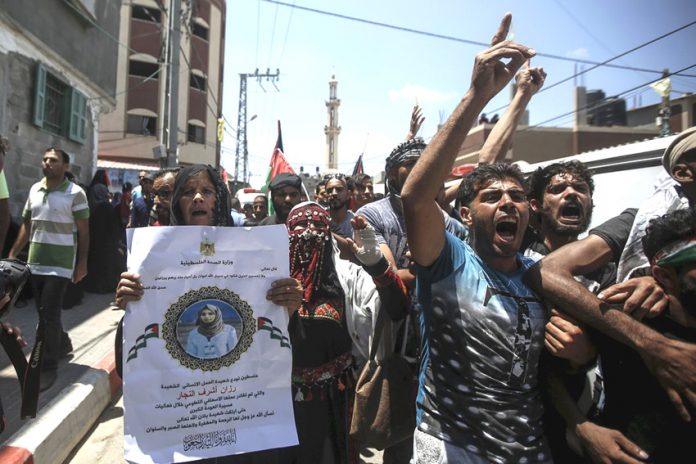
<point x="206" y="358"/>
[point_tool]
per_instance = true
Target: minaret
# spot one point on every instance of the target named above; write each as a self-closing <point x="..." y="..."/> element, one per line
<point x="333" y="129"/>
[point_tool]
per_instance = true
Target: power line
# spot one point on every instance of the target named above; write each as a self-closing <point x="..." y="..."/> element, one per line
<point x="146" y="79"/>
<point x="258" y="31"/>
<point x="287" y="32"/>
<point x="584" y="71"/>
<point x="600" y="103"/>
<point x="273" y="29"/>
<point x="450" y="38"/>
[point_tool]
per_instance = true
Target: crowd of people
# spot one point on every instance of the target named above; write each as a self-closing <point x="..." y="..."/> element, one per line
<point x="527" y="343"/>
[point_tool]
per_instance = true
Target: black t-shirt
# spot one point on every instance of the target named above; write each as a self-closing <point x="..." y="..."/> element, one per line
<point x="638" y="406"/>
<point x="616" y="230"/>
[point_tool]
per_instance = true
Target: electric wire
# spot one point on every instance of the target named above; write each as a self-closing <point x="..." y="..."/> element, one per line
<point x="584" y="71"/>
<point x="601" y="102"/>
<point x="451" y="38"/>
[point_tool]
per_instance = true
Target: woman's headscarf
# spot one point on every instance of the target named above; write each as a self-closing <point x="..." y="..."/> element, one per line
<point x="100" y="177"/>
<point x="213" y="328"/>
<point x="222" y="213"/>
<point x="98" y="194"/>
<point x="311" y="259"/>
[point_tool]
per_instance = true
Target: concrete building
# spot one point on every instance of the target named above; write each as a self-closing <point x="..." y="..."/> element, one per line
<point x="683" y="111"/>
<point x="56" y="77"/>
<point x="129" y="134"/>
<point x="537" y="144"/>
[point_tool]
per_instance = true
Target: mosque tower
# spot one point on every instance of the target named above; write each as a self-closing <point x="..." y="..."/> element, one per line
<point x="333" y="129"/>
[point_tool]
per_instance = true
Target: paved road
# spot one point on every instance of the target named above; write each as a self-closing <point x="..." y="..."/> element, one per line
<point x="91" y="326"/>
<point x="104" y="445"/>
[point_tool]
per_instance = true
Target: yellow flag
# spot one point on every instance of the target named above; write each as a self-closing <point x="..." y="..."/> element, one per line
<point x="220" y="129"/>
<point x="662" y="87"/>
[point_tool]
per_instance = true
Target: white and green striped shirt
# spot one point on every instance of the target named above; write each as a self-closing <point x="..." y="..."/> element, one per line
<point x="53" y="236"/>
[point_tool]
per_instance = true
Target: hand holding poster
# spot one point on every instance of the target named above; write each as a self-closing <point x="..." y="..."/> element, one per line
<point x="206" y="356"/>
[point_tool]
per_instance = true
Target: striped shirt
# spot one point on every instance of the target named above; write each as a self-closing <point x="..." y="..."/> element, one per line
<point x="4" y="192"/>
<point x="53" y="235"/>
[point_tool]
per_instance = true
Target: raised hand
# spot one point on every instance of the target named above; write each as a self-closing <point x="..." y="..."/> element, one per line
<point x="503" y="29"/>
<point x="491" y="73"/>
<point x="530" y="80"/>
<point x="365" y="246"/>
<point x="417" y="119"/>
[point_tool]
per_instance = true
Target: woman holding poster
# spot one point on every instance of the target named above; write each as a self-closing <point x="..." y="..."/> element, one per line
<point x="201" y="198"/>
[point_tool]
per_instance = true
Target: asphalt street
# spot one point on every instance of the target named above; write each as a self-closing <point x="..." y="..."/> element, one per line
<point x="91" y="326"/>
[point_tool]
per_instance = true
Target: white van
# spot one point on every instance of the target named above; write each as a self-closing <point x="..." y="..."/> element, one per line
<point x="247" y="195"/>
<point x="624" y="175"/>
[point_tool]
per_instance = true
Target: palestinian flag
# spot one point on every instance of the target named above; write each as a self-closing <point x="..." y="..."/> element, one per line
<point x="277" y="166"/>
<point x="358" y="168"/>
<point x="151" y="331"/>
<point x="274" y="332"/>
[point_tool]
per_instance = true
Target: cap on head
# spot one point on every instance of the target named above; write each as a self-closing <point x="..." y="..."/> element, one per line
<point x="286" y="180"/>
<point x="686" y="141"/>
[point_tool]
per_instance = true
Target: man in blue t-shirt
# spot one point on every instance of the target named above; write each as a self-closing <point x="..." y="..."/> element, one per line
<point x="483" y="329"/>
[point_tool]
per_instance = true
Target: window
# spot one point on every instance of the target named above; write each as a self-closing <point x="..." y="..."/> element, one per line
<point x="199" y="30"/>
<point x="59" y="108"/>
<point x="146" y="14"/>
<point x="141" y="125"/>
<point x="198" y="82"/>
<point x="143" y="69"/>
<point x="55" y="94"/>
<point x="196" y="134"/>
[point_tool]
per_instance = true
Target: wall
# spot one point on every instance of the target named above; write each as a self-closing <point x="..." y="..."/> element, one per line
<point x="28" y="142"/>
<point x="72" y="37"/>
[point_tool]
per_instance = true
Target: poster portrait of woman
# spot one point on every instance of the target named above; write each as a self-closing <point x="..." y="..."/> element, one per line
<point x="209" y="329"/>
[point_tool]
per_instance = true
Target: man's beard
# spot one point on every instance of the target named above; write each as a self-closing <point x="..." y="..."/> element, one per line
<point x="282" y="210"/>
<point x="687" y="296"/>
<point x="336" y="205"/>
<point x="567" y="229"/>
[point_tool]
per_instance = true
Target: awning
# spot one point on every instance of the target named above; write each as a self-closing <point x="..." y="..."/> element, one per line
<point x="108" y="164"/>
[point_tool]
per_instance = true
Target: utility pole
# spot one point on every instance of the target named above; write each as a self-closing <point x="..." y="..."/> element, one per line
<point x="665" y="112"/>
<point x="173" y="83"/>
<point x="242" y="152"/>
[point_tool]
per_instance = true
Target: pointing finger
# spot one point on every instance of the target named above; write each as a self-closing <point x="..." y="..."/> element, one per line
<point x="503" y="29"/>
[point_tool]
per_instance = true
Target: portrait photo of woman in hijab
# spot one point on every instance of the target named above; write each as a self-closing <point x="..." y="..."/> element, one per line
<point x="213" y="334"/>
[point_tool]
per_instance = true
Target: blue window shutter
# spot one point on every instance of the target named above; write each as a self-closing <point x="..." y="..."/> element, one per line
<point x="39" y="95"/>
<point x="78" y="118"/>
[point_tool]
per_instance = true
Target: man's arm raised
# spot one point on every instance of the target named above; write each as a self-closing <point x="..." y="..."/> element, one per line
<point x="529" y="81"/>
<point x="424" y="223"/>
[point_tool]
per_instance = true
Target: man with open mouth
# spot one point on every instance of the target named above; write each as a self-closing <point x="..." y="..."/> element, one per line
<point x="482" y="328"/>
<point x="560" y="195"/>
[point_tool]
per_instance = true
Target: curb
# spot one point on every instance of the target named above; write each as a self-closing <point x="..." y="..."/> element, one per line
<point x="62" y="423"/>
